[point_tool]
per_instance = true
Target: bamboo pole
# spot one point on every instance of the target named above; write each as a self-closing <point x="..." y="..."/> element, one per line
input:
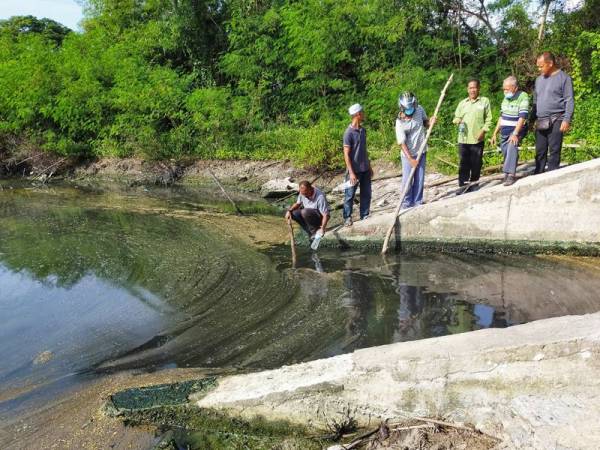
<point x="239" y="211"/>
<point x="412" y="172"/>
<point x="292" y="242"/>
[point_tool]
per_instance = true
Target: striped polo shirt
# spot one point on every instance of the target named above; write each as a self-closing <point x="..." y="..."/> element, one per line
<point x="511" y="110"/>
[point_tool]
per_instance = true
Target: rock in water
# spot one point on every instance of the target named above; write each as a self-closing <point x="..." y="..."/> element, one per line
<point x="43" y="357"/>
<point x="279" y="187"/>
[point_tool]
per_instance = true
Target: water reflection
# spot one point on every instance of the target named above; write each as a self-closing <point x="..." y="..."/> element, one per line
<point x="382" y="310"/>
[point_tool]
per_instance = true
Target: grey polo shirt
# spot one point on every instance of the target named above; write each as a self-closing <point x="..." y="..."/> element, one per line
<point x="356" y="139"/>
<point x="317" y="201"/>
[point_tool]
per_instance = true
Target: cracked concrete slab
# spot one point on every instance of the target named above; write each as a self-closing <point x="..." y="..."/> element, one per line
<point x="532" y="386"/>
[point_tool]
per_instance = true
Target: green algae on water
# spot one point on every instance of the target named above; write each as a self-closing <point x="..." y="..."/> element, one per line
<point x="143" y="398"/>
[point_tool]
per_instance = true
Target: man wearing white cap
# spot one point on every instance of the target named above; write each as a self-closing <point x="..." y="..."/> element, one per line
<point x="358" y="168"/>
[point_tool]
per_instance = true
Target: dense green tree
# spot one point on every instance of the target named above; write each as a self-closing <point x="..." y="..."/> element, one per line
<point x="17" y="26"/>
<point x="273" y="78"/>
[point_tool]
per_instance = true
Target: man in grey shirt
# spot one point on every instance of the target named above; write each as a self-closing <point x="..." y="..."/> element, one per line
<point x="358" y="168"/>
<point x="553" y="106"/>
<point x="311" y="210"/>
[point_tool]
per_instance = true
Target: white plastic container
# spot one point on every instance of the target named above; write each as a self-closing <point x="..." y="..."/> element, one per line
<point x="317" y="240"/>
<point x="345" y="185"/>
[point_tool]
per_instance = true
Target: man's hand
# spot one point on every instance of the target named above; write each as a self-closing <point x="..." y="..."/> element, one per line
<point x="565" y="126"/>
<point x="288" y="215"/>
<point x="413" y="162"/>
<point x="514" y="140"/>
<point x="432" y="121"/>
<point x="352" y="178"/>
<point x="481" y="136"/>
<point x="322" y="229"/>
<point x="493" y="139"/>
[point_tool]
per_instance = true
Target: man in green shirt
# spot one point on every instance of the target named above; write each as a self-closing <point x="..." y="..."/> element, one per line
<point x="474" y="118"/>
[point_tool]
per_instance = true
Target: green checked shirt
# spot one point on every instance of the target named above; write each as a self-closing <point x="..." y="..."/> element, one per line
<point x="476" y="115"/>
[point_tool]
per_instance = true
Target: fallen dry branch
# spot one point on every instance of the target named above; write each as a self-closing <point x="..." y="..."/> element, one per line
<point x="445" y="161"/>
<point x="441" y="182"/>
<point x="389" y="177"/>
<point x="445" y="424"/>
<point x="413" y="427"/>
<point x="361" y="439"/>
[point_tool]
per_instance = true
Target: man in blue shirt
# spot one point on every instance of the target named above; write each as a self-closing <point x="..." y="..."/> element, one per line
<point x="358" y="167"/>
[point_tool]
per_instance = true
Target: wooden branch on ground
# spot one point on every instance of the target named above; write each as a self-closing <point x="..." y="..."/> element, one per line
<point x="445" y="424"/>
<point x="445" y="161"/>
<point x="499" y="166"/>
<point x="359" y="440"/>
<point x="390" y="177"/>
<point x="272" y="164"/>
<point x="401" y="426"/>
<point x="25" y="160"/>
<point x="43" y="171"/>
<point x="441" y="182"/>
<point x="413" y="427"/>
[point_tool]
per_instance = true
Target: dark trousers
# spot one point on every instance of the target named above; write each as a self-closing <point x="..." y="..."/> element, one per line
<point x="471" y="156"/>
<point x="364" y="181"/>
<point x="308" y="218"/>
<point x="548" y="144"/>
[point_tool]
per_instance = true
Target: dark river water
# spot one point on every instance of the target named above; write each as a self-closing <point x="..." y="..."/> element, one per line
<point x="94" y="281"/>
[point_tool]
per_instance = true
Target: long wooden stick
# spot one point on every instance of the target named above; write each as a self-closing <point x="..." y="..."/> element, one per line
<point x="413" y="170"/>
<point x="292" y="242"/>
<point x="239" y="211"/>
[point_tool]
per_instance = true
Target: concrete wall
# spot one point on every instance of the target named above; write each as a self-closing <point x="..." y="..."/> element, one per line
<point x="533" y="386"/>
<point x="562" y="206"/>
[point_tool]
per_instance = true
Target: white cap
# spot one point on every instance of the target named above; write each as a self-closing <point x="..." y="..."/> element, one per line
<point x="355" y="109"/>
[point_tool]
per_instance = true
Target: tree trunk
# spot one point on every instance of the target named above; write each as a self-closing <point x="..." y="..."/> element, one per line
<point x="543" y="21"/>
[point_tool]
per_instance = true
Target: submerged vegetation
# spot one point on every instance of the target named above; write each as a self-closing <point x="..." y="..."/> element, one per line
<point x="272" y="78"/>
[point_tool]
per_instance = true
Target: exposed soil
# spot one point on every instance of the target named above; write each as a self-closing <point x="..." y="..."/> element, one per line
<point x="76" y="420"/>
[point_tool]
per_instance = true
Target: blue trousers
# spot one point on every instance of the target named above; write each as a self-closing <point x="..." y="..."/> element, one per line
<point x="511" y="155"/>
<point x="364" y="181"/>
<point x="414" y="195"/>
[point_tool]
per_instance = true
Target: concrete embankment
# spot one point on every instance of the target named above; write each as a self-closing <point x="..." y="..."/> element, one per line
<point x="555" y="210"/>
<point x="531" y="386"/>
